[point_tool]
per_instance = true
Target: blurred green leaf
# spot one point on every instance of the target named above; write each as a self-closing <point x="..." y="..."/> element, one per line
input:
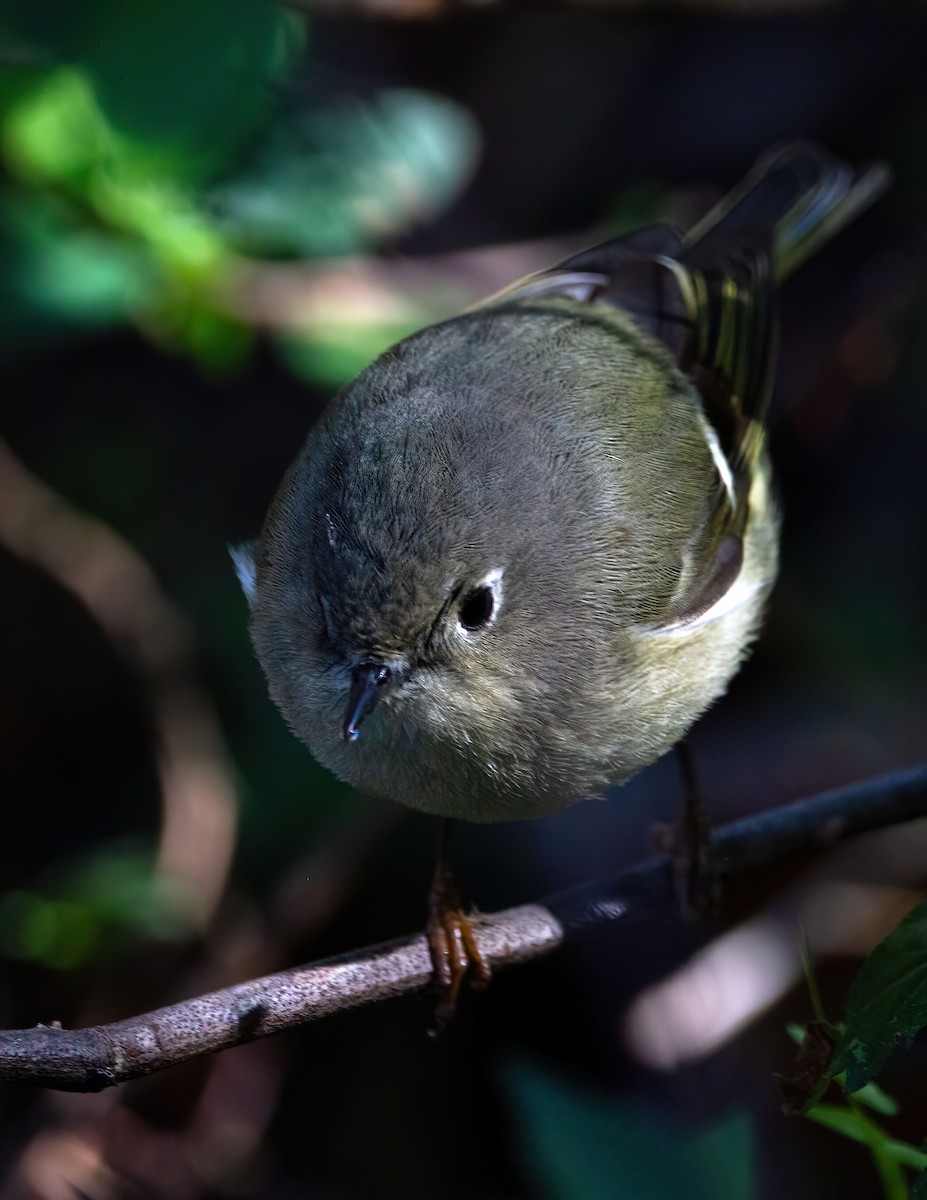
<point x="56" y="933"/>
<point x="333" y="359"/>
<point x="351" y="176"/>
<point x="125" y="238"/>
<point x="854" y="1125"/>
<point x="887" y="1001"/>
<point x="879" y="1101"/>
<point x="584" y="1146"/>
<point x="121" y="885"/>
<point x="889" y="1156"/>
<point x="113" y="147"/>
<point x="49" y="282"/>
<point x="190" y="80"/>
<point x="85" y="278"/>
<point x="197" y="77"/>
<point x="57" y="134"/>
<point x="115" y="892"/>
<point x="845" y="1121"/>
<point x="216" y="341"/>
<point x="59" y="28"/>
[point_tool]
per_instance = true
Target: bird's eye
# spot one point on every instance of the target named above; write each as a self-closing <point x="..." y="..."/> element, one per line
<point x="476" y="608"/>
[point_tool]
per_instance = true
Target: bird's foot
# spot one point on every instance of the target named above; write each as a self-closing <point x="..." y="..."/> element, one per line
<point x="455" y="955"/>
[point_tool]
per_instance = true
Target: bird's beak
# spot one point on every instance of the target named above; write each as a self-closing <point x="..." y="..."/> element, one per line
<point x="369" y="681"/>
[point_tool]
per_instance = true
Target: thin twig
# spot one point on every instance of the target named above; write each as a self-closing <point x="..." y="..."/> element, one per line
<point x="199" y="810"/>
<point x="98" y="1057"/>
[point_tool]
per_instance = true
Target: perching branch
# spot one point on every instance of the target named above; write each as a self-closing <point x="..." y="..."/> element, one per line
<point x="98" y="1057"/>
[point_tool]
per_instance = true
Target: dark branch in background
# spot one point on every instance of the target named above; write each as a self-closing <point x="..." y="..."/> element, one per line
<point x="95" y="1058"/>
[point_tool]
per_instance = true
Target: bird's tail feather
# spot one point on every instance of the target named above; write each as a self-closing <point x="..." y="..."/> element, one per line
<point x="797" y="193"/>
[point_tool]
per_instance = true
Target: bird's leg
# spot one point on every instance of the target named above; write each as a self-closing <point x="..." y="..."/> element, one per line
<point x="697" y="881"/>
<point x="689" y="844"/>
<point x="454" y="952"/>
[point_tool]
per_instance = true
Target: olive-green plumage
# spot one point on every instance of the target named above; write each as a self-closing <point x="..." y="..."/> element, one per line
<point x="526" y="548"/>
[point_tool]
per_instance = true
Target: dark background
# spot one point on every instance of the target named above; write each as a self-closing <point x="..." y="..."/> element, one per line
<point x="161" y="396"/>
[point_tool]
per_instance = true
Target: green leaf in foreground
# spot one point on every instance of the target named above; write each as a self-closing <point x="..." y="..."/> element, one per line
<point x="887" y="1001"/>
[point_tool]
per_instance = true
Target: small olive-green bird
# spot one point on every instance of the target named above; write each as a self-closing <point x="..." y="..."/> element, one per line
<point x="527" y="547"/>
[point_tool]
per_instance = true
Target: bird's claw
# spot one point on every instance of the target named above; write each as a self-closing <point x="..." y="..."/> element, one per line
<point x="455" y="954"/>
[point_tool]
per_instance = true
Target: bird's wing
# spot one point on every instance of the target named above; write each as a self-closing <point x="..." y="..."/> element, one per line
<point x="710" y="298"/>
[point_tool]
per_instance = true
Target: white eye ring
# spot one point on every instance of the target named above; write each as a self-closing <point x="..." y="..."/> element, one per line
<point x="480" y="605"/>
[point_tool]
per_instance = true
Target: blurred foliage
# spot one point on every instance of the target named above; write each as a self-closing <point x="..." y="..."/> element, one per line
<point x="153" y="151"/>
<point x="113" y="894"/>
<point x="342" y="351"/>
<point x="336" y="181"/>
<point x="890" y="1155"/>
<point x="584" y="1146"/>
